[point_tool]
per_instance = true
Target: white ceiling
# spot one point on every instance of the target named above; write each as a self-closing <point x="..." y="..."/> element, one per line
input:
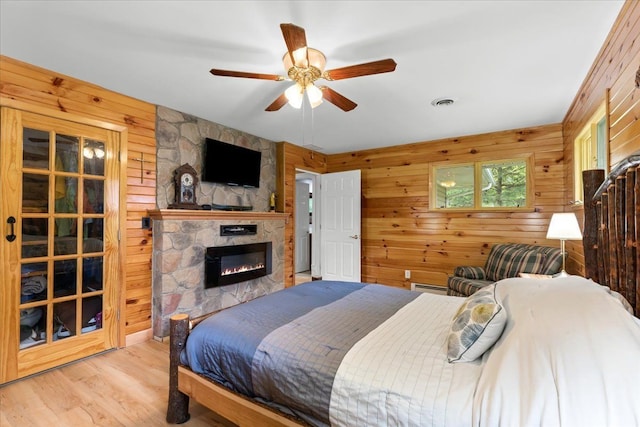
<point x="507" y="64"/>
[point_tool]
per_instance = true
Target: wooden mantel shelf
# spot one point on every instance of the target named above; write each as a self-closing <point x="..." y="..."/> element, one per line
<point x="195" y="215"/>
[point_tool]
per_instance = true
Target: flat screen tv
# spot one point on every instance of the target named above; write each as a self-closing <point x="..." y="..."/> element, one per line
<point x="230" y="164"/>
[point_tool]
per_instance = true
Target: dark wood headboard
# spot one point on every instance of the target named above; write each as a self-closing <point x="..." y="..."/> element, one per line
<point x="612" y="228"/>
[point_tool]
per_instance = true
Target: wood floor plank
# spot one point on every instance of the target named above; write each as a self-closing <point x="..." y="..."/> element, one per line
<point x="126" y="387"/>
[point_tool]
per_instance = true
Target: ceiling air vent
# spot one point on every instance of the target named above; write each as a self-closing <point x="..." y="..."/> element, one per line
<point x="442" y="102"/>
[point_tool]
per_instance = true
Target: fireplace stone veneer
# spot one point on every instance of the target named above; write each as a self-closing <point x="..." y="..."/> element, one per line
<point x="180" y="242"/>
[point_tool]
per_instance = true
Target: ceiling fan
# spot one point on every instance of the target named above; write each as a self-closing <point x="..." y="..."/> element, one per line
<point x="304" y="66"/>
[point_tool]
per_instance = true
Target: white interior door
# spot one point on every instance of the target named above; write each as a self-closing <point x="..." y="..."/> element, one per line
<point x="303" y="263"/>
<point x="340" y="226"/>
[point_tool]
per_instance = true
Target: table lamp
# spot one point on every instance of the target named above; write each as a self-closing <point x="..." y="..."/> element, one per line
<point x="564" y="226"/>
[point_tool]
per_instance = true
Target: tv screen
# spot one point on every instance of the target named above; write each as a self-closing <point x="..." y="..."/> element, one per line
<point x="230" y="164"/>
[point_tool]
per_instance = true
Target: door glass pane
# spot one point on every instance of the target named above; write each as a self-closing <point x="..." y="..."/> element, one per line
<point x="34" y="237"/>
<point x="93" y="196"/>
<point x="93" y="153"/>
<point x="35" y="149"/>
<point x="92" y="274"/>
<point x="92" y="232"/>
<point x="64" y="280"/>
<point x="91" y="314"/>
<point x="66" y="194"/>
<point x="35" y="193"/>
<point x="64" y="319"/>
<point x="33" y="323"/>
<point x="67" y="153"/>
<point x="65" y="245"/>
<point x="33" y="283"/>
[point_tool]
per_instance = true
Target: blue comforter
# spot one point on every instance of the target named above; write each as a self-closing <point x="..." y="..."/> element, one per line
<point x="285" y="348"/>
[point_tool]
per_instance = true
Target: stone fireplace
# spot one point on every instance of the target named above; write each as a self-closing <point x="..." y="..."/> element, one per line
<point x="181" y="243"/>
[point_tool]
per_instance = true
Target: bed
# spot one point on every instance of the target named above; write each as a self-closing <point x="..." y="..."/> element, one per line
<point x="561" y="351"/>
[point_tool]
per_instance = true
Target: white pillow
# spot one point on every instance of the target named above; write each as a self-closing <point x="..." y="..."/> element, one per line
<point x="476" y="326"/>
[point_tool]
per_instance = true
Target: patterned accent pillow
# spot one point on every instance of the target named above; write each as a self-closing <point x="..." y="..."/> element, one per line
<point x="476" y="326"/>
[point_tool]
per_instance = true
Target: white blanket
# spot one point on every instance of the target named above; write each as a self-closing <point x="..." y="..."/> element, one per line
<point x="569" y="355"/>
<point x="398" y="375"/>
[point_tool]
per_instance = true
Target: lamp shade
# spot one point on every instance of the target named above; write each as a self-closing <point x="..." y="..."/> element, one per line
<point x="295" y="95"/>
<point x="564" y="226"/>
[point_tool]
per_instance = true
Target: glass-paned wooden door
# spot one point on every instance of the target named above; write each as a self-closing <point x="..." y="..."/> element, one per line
<point x="60" y="203"/>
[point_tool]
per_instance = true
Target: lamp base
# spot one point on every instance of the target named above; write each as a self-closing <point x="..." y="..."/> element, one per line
<point x="561" y="274"/>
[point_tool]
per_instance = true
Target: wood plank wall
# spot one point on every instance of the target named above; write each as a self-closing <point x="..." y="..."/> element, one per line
<point x="54" y="91"/>
<point x="611" y="79"/>
<point x="291" y="159"/>
<point x="400" y="232"/>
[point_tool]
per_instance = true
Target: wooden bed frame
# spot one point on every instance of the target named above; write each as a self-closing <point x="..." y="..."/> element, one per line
<point x="612" y="258"/>
<point x="612" y="228"/>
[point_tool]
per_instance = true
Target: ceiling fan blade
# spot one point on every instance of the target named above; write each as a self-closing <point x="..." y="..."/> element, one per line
<point x="277" y="104"/>
<point x="338" y="100"/>
<point x="375" y="67"/>
<point x="227" y="73"/>
<point x="296" y="41"/>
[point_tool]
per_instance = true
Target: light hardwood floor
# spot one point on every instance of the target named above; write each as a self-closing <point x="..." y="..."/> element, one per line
<point x="125" y="387"/>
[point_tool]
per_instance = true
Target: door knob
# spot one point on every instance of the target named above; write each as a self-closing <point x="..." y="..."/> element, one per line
<point x="355" y="236"/>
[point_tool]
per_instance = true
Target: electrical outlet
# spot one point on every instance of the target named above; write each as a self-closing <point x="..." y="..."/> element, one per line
<point x="146" y="223"/>
<point x="407" y="274"/>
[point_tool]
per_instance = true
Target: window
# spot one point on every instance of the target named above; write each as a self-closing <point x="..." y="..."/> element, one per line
<point x="590" y="150"/>
<point x="481" y="185"/>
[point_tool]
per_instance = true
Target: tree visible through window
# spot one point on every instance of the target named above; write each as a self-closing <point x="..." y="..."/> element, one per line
<point x="506" y="186"/>
<point x="502" y="184"/>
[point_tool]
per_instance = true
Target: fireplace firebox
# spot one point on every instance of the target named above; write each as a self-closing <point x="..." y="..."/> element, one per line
<point x="225" y="265"/>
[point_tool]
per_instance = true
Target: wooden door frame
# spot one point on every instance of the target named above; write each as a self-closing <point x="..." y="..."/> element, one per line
<point x="122" y="197"/>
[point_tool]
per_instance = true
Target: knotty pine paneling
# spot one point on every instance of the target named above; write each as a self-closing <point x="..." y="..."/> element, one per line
<point x="53" y="91"/>
<point x="290" y="159"/>
<point x="399" y="230"/>
<point x="611" y="80"/>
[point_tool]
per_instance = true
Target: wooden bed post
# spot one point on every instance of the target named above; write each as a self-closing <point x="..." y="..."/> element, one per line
<point x="591" y="181"/>
<point x="613" y="212"/>
<point x="178" y="407"/>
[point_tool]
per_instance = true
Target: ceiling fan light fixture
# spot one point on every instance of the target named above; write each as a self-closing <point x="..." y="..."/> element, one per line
<point x="314" y="94"/>
<point x="295" y="95"/>
<point x="317" y="60"/>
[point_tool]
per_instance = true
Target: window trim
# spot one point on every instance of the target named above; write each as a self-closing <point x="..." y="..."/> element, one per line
<point x="580" y="163"/>
<point x="477" y="197"/>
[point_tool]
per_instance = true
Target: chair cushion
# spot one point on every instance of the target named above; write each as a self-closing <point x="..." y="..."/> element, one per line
<point x="470" y="272"/>
<point x="506" y="261"/>
<point x="476" y="326"/>
<point x="465" y="287"/>
<point x="521" y="262"/>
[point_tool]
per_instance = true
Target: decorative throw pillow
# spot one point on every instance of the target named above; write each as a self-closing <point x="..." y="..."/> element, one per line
<point x="476" y="326"/>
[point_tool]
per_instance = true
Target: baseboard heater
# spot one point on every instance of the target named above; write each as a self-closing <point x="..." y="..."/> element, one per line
<point x="425" y="287"/>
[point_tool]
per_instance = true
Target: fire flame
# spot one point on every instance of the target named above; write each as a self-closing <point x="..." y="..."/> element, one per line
<point x="242" y="269"/>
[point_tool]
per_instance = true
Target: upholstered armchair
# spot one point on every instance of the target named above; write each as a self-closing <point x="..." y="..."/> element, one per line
<point x="505" y="260"/>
